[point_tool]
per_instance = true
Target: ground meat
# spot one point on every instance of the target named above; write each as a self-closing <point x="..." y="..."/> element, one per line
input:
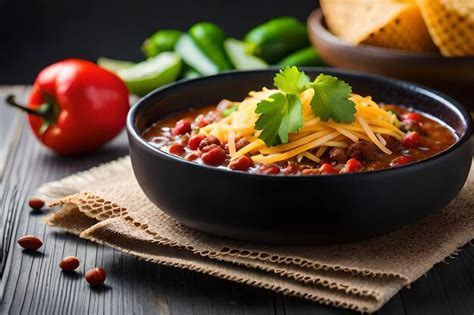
<point x="241" y="143"/>
<point x="392" y="143"/>
<point x="363" y="151"/>
<point x="338" y="155"/>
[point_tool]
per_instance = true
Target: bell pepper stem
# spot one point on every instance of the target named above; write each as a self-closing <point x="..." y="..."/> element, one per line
<point x="44" y="111"/>
<point x="10" y="100"/>
<point x="41" y="112"/>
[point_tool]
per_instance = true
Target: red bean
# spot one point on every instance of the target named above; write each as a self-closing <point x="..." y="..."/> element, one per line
<point x="208" y="141"/>
<point x="195" y="141"/>
<point x="30" y="242"/>
<point x="412" y="140"/>
<point x="176" y="149"/>
<point x="352" y="165"/>
<point x="413" y="116"/>
<point x="269" y="170"/>
<point x="402" y="160"/>
<point x="36" y="203"/>
<point x="202" y="123"/>
<point x="209" y="148"/>
<point x="291" y="168"/>
<point x="182" y="126"/>
<point x="96" y="276"/>
<point x="242" y="163"/>
<point x="241" y="143"/>
<point x="310" y="171"/>
<point x="327" y="169"/>
<point x="192" y="156"/>
<point x="214" y="156"/>
<point x="69" y="263"/>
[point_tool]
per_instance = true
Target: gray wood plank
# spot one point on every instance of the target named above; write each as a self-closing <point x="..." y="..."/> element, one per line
<point x="34" y="284"/>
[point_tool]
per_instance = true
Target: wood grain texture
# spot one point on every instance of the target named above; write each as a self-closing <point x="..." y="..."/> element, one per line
<point x="34" y="284"/>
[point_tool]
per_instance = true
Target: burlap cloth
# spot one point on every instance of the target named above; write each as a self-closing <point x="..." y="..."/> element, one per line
<point x="106" y="205"/>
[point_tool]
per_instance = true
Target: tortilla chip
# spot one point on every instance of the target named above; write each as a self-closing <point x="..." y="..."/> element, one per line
<point x="451" y="25"/>
<point x="384" y="23"/>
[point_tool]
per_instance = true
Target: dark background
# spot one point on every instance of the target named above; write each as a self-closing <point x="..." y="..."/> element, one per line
<point x="36" y="33"/>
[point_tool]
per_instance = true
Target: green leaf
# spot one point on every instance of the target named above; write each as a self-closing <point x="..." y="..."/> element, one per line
<point x="290" y="80"/>
<point x="331" y="99"/>
<point x="280" y="115"/>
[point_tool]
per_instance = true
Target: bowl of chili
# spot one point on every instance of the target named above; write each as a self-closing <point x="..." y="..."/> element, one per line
<point x="299" y="208"/>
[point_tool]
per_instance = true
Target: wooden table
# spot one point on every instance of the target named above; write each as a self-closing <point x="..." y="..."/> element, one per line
<point x="34" y="284"/>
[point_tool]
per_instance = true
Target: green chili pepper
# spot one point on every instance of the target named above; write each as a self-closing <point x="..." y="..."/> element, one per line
<point x="113" y="65"/>
<point x="278" y="38"/>
<point x="240" y="56"/>
<point x="161" y="41"/>
<point x="210" y="39"/>
<point x="190" y="73"/>
<point x="194" y="57"/>
<point x="147" y="75"/>
<point x="304" y="57"/>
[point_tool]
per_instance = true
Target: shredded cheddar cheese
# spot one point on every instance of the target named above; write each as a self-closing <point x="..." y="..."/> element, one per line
<point x="313" y="139"/>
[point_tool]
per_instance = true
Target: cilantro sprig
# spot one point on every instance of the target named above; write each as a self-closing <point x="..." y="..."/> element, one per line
<point x="290" y="80"/>
<point x="331" y="99"/>
<point x="281" y="113"/>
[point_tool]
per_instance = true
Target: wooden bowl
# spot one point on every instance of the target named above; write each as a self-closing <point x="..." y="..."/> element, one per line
<point x="451" y="75"/>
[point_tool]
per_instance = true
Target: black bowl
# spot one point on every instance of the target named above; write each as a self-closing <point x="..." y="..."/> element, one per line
<point x="299" y="210"/>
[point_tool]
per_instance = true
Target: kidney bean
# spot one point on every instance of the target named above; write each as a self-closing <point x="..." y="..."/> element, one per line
<point x="182" y="126"/>
<point x="69" y="263"/>
<point x="195" y="141"/>
<point x="176" y="149"/>
<point x="214" y="156"/>
<point x="402" y="160"/>
<point x="291" y="168"/>
<point x="36" y="203"/>
<point x="208" y="141"/>
<point x="203" y="123"/>
<point x="209" y="148"/>
<point x="241" y="163"/>
<point x="241" y="143"/>
<point x="30" y="242"/>
<point x="96" y="276"/>
<point x="310" y="171"/>
<point x="412" y="140"/>
<point x="413" y="116"/>
<point x="327" y="169"/>
<point x="192" y="156"/>
<point x="269" y="170"/>
<point x="352" y="165"/>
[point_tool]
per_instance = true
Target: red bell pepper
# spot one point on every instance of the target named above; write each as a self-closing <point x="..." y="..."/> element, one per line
<point x="76" y="106"/>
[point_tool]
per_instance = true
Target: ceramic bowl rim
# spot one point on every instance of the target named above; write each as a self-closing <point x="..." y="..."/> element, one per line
<point x="447" y="102"/>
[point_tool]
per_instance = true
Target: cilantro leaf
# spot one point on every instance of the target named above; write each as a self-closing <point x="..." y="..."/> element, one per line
<point x="331" y="99"/>
<point x="290" y="80"/>
<point x="280" y="115"/>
